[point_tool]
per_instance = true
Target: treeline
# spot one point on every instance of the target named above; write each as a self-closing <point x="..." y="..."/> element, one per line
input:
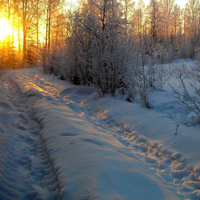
<point x="111" y="44"/>
<point x="44" y="23"/>
<point x="115" y="44"/>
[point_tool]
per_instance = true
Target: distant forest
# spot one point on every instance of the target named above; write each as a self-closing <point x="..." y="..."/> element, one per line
<point x="46" y="24"/>
<point x="106" y="43"/>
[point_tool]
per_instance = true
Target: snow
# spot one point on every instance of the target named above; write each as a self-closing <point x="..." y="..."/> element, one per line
<point x="60" y="141"/>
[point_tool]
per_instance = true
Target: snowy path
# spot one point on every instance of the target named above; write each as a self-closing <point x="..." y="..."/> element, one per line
<point x="133" y="146"/>
<point x="27" y="171"/>
<point x="171" y="169"/>
<point x="64" y="146"/>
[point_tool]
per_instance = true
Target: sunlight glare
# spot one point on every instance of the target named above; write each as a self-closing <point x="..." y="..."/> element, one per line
<point x="6" y="28"/>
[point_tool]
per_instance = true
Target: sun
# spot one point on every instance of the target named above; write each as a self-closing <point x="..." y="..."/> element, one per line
<point x="6" y="28"/>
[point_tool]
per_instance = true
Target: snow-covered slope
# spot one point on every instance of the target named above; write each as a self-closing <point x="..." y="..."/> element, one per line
<point x="66" y="143"/>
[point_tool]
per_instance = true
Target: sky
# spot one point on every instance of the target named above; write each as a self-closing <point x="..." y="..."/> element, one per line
<point x="179" y="2"/>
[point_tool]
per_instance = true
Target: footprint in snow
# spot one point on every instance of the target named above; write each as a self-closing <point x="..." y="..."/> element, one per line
<point x="19" y="126"/>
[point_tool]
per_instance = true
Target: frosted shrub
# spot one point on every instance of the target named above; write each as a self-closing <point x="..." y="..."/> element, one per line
<point x="142" y="79"/>
<point x="54" y="61"/>
<point x="162" y="76"/>
<point x="189" y="95"/>
<point x="149" y="73"/>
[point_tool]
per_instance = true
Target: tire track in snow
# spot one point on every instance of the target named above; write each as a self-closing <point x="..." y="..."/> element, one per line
<point x="27" y="172"/>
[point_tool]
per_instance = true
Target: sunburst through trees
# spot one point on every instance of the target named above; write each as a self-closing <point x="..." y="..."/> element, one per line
<point x="32" y="28"/>
<point x="6" y="28"/>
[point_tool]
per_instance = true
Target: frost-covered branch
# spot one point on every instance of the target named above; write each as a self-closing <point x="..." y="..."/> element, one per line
<point x="185" y="99"/>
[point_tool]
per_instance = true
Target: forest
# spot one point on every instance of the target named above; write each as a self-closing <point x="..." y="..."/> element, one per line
<point x="110" y="44"/>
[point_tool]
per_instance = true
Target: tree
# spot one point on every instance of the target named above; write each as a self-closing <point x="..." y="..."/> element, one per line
<point x="154" y="20"/>
<point x="99" y="40"/>
<point x="168" y="8"/>
<point x="139" y="22"/>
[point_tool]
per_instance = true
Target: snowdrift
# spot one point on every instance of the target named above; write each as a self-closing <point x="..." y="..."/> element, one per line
<point x="91" y="164"/>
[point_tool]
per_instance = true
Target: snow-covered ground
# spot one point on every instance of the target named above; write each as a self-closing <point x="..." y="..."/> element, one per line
<point x="60" y="141"/>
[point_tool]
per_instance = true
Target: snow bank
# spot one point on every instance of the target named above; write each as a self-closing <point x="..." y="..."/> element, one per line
<point x="157" y="129"/>
<point x="90" y="163"/>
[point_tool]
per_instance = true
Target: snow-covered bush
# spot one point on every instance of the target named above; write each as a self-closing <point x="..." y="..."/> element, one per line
<point x="45" y="60"/>
<point x="188" y="97"/>
<point x="149" y="73"/>
<point x="141" y="73"/>
<point x="99" y="49"/>
<point x="164" y="53"/>
<point x="162" y="75"/>
<point x="196" y="68"/>
<point x="186" y="49"/>
<point x="54" y="61"/>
